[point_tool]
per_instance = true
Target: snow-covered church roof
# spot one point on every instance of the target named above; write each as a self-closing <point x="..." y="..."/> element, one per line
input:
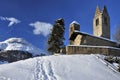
<point x="74" y="22"/>
<point x="76" y="32"/>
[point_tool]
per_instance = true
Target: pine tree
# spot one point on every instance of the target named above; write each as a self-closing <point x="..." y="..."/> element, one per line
<point x="56" y="38"/>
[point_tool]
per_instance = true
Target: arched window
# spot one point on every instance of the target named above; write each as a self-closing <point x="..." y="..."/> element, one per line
<point x="97" y="22"/>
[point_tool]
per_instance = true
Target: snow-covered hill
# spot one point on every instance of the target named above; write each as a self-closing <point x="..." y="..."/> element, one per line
<point x="20" y="45"/>
<point x="62" y="67"/>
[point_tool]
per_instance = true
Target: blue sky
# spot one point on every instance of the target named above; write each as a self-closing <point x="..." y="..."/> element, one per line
<point x="21" y="18"/>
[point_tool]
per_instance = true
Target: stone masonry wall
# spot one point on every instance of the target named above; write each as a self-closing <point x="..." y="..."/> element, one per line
<point x="99" y="42"/>
<point x="94" y="41"/>
<point x="92" y="50"/>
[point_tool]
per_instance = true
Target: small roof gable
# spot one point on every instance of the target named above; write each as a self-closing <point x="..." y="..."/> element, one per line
<point x="74" y="22"/>
<point x="75" y="33"/>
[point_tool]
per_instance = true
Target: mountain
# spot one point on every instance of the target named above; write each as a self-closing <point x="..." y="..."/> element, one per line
<point x="21" y="45"/>
<point x="62" y="67"/>
<point x="15" y="48"/>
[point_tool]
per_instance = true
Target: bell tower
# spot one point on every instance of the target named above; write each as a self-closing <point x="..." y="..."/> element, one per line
<point x="74" y="26"/>
<point x="101" y="23"/>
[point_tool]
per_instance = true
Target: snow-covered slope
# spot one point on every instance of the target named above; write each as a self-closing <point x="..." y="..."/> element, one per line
<point x="19" y="44"/>
<point x="62" y="67"/>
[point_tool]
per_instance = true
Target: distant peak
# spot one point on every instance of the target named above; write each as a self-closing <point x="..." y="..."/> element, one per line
<point x="17" y="40"/>
<point x="21" y="45"/>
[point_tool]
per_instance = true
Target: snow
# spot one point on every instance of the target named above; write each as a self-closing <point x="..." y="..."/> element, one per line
<point x="116" y="65"/>
<point x="95" y="36"/>
<point x="74" y="22"/>
<point x="3" y="62"/>
<point x="62" y="67"/>
<point x="96" y="46"/>
<point x="21" y="45"/>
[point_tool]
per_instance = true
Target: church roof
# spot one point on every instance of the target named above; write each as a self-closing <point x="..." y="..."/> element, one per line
<point x="76" y="32"/>
<point x="74" y="22"/>
<point x="97" y="12"/>
<point x="103" y="11"/>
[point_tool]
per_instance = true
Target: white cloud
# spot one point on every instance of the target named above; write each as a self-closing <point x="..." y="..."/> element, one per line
<point x="41" y="28"/>
<point x="11" y="20"/>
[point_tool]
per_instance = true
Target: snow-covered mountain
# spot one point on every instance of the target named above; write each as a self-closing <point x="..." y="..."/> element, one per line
<point x="62" y="67"/>
<point x="20" y="45"/>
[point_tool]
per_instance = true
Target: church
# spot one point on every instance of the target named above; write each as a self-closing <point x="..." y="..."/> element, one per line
<point x="99" y="42"/>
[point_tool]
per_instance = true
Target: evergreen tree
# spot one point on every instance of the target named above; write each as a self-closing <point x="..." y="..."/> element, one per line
<point x="56" y="38"/>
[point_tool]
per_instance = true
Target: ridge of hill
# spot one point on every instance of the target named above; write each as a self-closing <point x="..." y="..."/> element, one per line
<point x="61" y="67"/>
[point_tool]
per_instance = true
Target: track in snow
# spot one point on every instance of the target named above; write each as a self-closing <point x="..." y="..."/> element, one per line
<point x="44" y="70"/>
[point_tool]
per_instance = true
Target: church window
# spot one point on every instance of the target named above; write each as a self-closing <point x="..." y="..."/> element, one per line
<point x="97" y="22"/>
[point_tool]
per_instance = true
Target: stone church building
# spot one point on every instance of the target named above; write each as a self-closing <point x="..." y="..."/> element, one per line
<point x="99" y="43"/>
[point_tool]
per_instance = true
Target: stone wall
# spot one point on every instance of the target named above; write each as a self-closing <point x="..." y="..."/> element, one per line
<point x="92" y="50"/>
<point x="92" y="40"/>
<point x="78" y="40"/>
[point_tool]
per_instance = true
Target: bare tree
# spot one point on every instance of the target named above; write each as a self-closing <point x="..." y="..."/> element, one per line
<point x="116" y="35"/>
